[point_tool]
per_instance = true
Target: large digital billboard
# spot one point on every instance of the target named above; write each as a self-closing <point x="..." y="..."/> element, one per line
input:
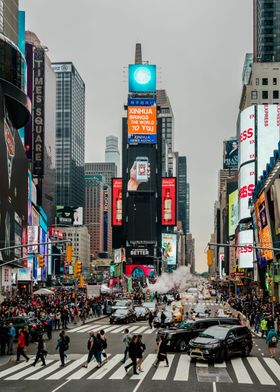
<point x="268" y="134"/>
<point x="69" y="216"/>
<point x="137" y="271"/>
<point x="141" y="225"/>
<point x="245" y="252"/>
<point x="141" y="168"/>
<point x="168" y="201"/>
<point x="263" y="227"/>
<point x="117" y="202"/>
<point x="142" y="78"/>
<point x="232" y="212"/>
<point x="169" y="248"/>
<point x="230" y="154"/>
<point x="246" y="189"/>
<point x="247" y="135"/>
<point x="142" y="121"/>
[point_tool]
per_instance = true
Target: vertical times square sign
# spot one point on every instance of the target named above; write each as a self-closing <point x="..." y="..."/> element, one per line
<point x="38" y="111"/>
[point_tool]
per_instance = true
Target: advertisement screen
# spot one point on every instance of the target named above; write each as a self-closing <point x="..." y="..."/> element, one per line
<point x="142" y="121"/>
<point x="142" y="78"/>
<point x="169" y="248"/>
<point x="245" y="253"/>
<point x="268" y="134"/>
<point x="141" y="217"/>
<point x="247" y="135"/>
<point x="141" y="169"/>
<point x="246" y="189"/>
<point x="232" y="212"/>
<point x="168" y="201"/>
<point x="263" y="228"/>
<point x="33" y="238"/>
<point x="24" y="275"/>
<point x="230" y="154"/>
<point x="137" y="271"/>
<point x="116" y="202"/>
<point x="69" y="216"/>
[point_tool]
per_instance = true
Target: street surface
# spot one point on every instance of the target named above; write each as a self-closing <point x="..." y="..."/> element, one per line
<point x="256" y="373"/>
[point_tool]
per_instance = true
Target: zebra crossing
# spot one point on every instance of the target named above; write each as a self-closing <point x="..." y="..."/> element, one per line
<point x="251" y="370"/>
<point x="108" y="328"/>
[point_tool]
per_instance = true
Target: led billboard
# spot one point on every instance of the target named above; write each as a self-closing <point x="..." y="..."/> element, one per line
<point x="263" y="227"/>
<point x="141" y="210"/>
<point x="168" y="201"/>
<point x="169" y="248"/>
<point x="232" y="212"/>
<point x="142" y="78"/>
<point x="141" y="169"/>
<point x="245" y="253"/>
<point x="116" y="202"/>
<point x="246" y="188"/>
<point x="230" y="154"/>
<point x="268" y="134"/>
<point x="247" y="135"/>
<point x="69" y="216"/>
<point x="142" y="121"/>
<point x="137" y="271"/>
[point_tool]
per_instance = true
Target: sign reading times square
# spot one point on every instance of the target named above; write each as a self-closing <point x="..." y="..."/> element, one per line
<point x="38" y="113"/>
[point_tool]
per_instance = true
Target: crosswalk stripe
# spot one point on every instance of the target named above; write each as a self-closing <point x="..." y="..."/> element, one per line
<point x="241" y="372"/>
<point x="15" y="368"/>
<point x="261" y="373"/>
<point x="67" y="369"/>
<point x="220" y="365"/>
<point x="25" y="372"/>
<point x="133" y="328"/>
<point x="83" y="371"/>
<point x="80" y="328"/>
<point x="201" y="364"/>
<point x="147" y="364"/>
<point x="273" y="366"/>
<point x="149" y="331"/>
<point x="162" y="371"/>
<point x="45" y="371"/>
<point x="100" y="373"/>
<point x="120" y="373"/>
<point x="89" y="328"/>
<point x="141" y="329"/>
<point x="109" y="328"/>
<point x="183" y="368"/>
<point x="119" y="329"/>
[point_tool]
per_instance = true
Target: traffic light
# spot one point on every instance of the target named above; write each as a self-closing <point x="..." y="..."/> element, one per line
<point x="69" y="253"/>
<point x="81" y="282"/>
<point x="210" y="259"/>
<point x="77" y="269"/>
<point x="41" y="261"/>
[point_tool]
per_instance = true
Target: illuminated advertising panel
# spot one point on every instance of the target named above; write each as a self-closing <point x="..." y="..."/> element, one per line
<point x="168" y="201"/>
<point x="137" y="271"/>
<point x="142" y="121"/>
<point x="169" y="248"/>
<point x="142" y="78"/>
<point x="24" y="275"/>
<point x="247" y="135"/>
<point x="246" y="189"/>
<point x="245" y="253"/>
<point x="268" y="134"/>
<point x="33" y="238"/>
<point x="263" y="228"/>
<point x="230" y="154"/>
<point x="116" y="202"/>
<point x="141" y="169"/>
<point x="69" y="216"/>
<point x="232" y="212"/>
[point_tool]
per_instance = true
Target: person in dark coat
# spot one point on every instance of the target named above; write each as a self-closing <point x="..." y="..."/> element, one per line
<point x="162" y="352"/>
<point x="41" y="351"/>
<point x="151" y="319"/>
<point x="132" y="351"/>
<point x="140" y="348"/>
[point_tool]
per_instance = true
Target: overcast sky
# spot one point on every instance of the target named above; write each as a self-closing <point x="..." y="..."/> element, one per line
<point x="199" y="48"/>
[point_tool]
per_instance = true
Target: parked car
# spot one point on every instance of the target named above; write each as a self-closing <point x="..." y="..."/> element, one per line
<point x="150" y="305"/>
<point x="124" y="315"/>
<point x="220" y="342"/>
<point x="141" y="313"/>
<point x="168" y="319"/>
<point x="122" y="304"/>
<point x="200" y="311"/>
<point x="35" y="326"/>
<point x="178" y="337"/>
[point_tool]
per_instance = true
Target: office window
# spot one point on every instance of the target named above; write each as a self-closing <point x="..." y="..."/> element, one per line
<point x="257" y="81"/>
<point x="275" y="94"/>
<point x="254" y="95"/>
<point x="264" y="81"/>
<point x="274" y="81"/>
<point x="265" y="95"/>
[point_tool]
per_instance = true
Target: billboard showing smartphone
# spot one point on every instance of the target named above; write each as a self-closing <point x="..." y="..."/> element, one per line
<point x="116" y="202"/>
<point x="168" y="201"/>
<point x="141" y="169"/>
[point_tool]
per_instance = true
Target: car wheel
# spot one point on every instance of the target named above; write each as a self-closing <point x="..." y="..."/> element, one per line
<point x="182" y="345"/>
<point x="246" y="351"/>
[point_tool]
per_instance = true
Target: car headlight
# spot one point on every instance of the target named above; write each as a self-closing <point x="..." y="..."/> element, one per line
<point x="214" y="345"/>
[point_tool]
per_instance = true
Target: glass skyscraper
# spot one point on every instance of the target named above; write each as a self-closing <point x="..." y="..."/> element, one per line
<point x="70" y="135"/>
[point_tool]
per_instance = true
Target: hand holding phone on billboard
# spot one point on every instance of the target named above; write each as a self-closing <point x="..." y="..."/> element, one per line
<point x="139" y="173"/>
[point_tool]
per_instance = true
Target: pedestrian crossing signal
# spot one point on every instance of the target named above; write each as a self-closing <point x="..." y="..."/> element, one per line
<point x="41" y="261"/>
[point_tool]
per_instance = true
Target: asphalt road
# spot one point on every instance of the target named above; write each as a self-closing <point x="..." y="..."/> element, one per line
<point x="255" y="373"/>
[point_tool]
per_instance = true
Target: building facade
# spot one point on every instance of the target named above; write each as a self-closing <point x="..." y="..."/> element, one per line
<point x="80" y="238"/>
<point x="70" y="135"/>
<point x="182" y="192"/>
<point x="106" y="169"/>
<point x="112" y="154"/>
<point x="9" y="19"/>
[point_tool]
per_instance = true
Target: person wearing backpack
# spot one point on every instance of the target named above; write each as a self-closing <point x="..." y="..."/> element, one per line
<point x="94" y="350"/>
<point x="272" y="340"/>
<point x="62" y="346"/>
<point x="104" y="344"/>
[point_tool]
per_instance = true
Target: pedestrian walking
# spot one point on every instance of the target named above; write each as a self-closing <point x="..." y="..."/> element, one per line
<point x="140" y="348"/>
<point x="126" y="340"/>
<point x="104" y="345"/>
<point x="264" y="327"/>
<point x="151" y="319"/>
<point x="11" y="338"/>
<point x="161" y="352"/>
<point x="41" y="351"/>
<point x="94" y="350"/>
<point x="49" y="321"/>
<point x="272" y="340"/>
<point x="57" y="319"/>
<point x="132" y="351"/>
<point x="21" y="346"/>
<point x="62" y="346"/>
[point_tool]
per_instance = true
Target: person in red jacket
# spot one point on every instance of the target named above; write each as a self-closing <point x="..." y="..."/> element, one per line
<point x="21" y="346"/>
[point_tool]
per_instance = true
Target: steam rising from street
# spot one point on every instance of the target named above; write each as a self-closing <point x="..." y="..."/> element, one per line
<point x="179" y="280"/>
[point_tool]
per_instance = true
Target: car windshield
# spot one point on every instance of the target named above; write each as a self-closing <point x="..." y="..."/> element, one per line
<point x="121" y="303"/>
<point x="214" y="333"/>
<point x="185" y="325"/>
<point x="120" y="312"/>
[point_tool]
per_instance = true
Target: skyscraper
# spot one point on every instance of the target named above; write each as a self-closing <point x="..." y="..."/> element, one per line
<point x="112" y="154"/>
<point x="266" y="30"/>
<point x="9" y="19"/>
<point x="70" y="135"/>
<point x="182" y="192"/>
<point x="105" y="169"/>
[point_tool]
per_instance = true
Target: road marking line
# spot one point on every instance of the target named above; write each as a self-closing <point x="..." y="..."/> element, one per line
<point x="120" y="373"/>
<point x="162" y="372"/>
<point x="100" y="373"/>
<point x="273" y="366"/>
<point x="240" y="370"/>
<point x="80" y="328"/>
<point x="60" y="386"/>
<point x="15" y="368"/>
<point x="141" y="329"/>
<point x="220" y="365"/>
<point x="119" y="329"/>
<point x="214" y="387"/>
<point x="83" y="371"/>
<point x="90" y="328"/>
<point x="262" y="375"/>
<point x="149" y="331"/>
<point x="201" y="364"/>
<point x="25" y="372"/>
<point x="45" y="371"/>
<point x="183" y="368"/>
<point x="67" y="369"/>
<point x="147" y="364"/>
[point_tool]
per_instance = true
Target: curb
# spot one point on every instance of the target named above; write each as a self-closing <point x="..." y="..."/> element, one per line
<point x="9" y="359"/>
<point x="90" y="321"/>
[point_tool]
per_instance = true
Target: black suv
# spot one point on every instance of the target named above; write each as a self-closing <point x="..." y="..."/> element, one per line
<point x="220" y="342"/>
<point x="177" y="338"/>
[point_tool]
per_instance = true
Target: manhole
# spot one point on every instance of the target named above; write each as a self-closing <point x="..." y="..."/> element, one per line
<point x="212" y="375"/>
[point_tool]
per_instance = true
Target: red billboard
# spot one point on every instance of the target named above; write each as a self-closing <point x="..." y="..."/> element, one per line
<point x="168" y="201"/>
<point x="116" y="201"/>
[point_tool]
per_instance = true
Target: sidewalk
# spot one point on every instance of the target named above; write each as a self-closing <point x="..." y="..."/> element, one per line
<point x="89" y="320"/>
